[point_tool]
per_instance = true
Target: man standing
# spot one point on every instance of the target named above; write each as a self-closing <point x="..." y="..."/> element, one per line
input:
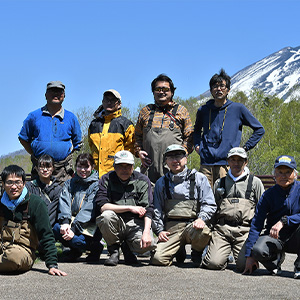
<point x="160" y="125"/>
<point x="236" y="195"/>
<point x="109" y="132"/>
<point x="24" y="223"/>
<point x="279" y="209"/>
<point x="183" y="203"/>
<point x="54" y="131"/>
<point x="125" y="201"/>
<point x="218" y="128"/>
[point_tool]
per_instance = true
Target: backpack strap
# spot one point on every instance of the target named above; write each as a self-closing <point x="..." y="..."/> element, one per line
<point x="249" y="187"/>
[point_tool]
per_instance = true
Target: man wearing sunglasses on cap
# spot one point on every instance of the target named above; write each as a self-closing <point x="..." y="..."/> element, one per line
<point x="278" y="213"/>
<point x="159" y="125"/>
<point x="109" y="132"/>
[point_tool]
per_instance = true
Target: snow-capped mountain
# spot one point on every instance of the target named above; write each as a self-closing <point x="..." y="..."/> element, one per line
<point x="277" y="74"/>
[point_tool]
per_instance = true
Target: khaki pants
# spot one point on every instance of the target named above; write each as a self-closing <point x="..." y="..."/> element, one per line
<point x="181" y="233"/>
<point x="115" y="230"/>
<point x="15" y="258"/>
<point x="226" y="239"/>
<point x="213" y="173"/>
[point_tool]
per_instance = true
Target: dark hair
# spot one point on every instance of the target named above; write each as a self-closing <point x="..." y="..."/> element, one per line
<point x="46" y="160"/>
<point x="85" y="159"/>
<point x="163" y="77"/>
<point x="218" y="78"/>
<point x="13" y="169"/>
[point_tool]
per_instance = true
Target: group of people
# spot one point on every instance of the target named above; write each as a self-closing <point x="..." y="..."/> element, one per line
<point x="219" y="210"/>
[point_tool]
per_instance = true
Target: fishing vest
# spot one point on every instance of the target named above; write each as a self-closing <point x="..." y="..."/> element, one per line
<point x="20" y="233"/>
<point x="235" y="211"/>
<point x="182" y="208"/>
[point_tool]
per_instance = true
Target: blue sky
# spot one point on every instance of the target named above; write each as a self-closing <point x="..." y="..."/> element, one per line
<point x="92" y="46"/>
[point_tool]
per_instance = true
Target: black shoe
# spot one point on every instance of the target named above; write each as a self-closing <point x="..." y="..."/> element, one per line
<point x="181" y="254"/>
<point x="113" y="260"/>
<point x="196" y="257"/>
<point x="95" y="253"/>
<point x="129" y="257"/>
<point x="72" y="255"/>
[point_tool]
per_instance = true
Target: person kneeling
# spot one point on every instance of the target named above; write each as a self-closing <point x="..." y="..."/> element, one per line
<point x="125" y="201"/>
<point x="183" y="203"/>
<point x="24" y="223"/>
<point x="236" y="195"/>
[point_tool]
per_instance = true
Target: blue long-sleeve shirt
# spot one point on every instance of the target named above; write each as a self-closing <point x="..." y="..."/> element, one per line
<point x="218" y="129"/>
<point x="274" y="204"/>
<point x="56" y="136"/>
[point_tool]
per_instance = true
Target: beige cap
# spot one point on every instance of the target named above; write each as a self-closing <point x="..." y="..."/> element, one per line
<point x="114" y="92"/>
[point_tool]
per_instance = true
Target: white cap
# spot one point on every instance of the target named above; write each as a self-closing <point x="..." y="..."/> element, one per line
<point x="241" y="152"/>
<point x="124" y="157"/>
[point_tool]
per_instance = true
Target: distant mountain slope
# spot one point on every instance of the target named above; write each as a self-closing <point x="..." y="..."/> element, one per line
<point x="277" y="74"/>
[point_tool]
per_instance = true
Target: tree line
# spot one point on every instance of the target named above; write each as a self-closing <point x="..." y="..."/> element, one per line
<point x="280" y="120"/>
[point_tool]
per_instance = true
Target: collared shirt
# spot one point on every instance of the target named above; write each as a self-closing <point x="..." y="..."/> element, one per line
<point x="56" y="136"/>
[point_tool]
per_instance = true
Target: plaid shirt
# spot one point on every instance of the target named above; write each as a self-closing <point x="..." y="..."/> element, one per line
<point x="161" y="120"/>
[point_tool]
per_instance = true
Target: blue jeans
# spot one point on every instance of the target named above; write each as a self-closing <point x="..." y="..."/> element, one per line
<point x="79" y="242"/>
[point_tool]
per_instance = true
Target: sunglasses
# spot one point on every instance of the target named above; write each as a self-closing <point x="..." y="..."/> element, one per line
<point x="162" y="89"/>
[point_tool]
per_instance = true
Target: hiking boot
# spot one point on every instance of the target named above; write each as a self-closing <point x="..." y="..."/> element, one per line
<point x="181" y="254"/>
<point x="196" y="257"/>
<point x="129" y="257"/>
<point x="95" y="253"/>
<point x="113" y="260"/>
<point x="297" y="273"/>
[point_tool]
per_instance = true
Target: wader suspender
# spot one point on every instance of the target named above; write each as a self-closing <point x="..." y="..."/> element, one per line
<point x="192" y="185"/>
<point x="169" y="114"/>
<point x="249" y="186"/>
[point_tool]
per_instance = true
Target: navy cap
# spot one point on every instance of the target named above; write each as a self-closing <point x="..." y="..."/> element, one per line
<point x="285" y="160"/>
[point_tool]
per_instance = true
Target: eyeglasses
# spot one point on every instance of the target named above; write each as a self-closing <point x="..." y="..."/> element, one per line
<point x="161" y="89"/>
<point x="44" y="167"/>
<point x="18" y="183"/>
<point x="176" y="157"/>
<point x="221" y="86"/>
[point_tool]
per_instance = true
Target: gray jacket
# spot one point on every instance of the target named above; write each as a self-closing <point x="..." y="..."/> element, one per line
<point x="179" y="188"/>
<point x="76" y="200"/>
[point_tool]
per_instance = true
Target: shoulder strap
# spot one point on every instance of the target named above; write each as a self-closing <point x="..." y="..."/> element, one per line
<point x="192" y="178"/>
<point x="249" y="187"/>
<point x="167" y="187"/>
<point x="222" y="185"/>
<point x="151" y="116"/>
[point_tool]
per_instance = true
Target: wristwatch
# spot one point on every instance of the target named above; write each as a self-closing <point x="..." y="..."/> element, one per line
<point x="284" y="220"/>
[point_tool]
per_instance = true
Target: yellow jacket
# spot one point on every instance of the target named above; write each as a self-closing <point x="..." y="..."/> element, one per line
<point x="109" y="134"/>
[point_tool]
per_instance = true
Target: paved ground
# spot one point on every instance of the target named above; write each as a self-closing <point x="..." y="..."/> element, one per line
<point x="95" y="281"/>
